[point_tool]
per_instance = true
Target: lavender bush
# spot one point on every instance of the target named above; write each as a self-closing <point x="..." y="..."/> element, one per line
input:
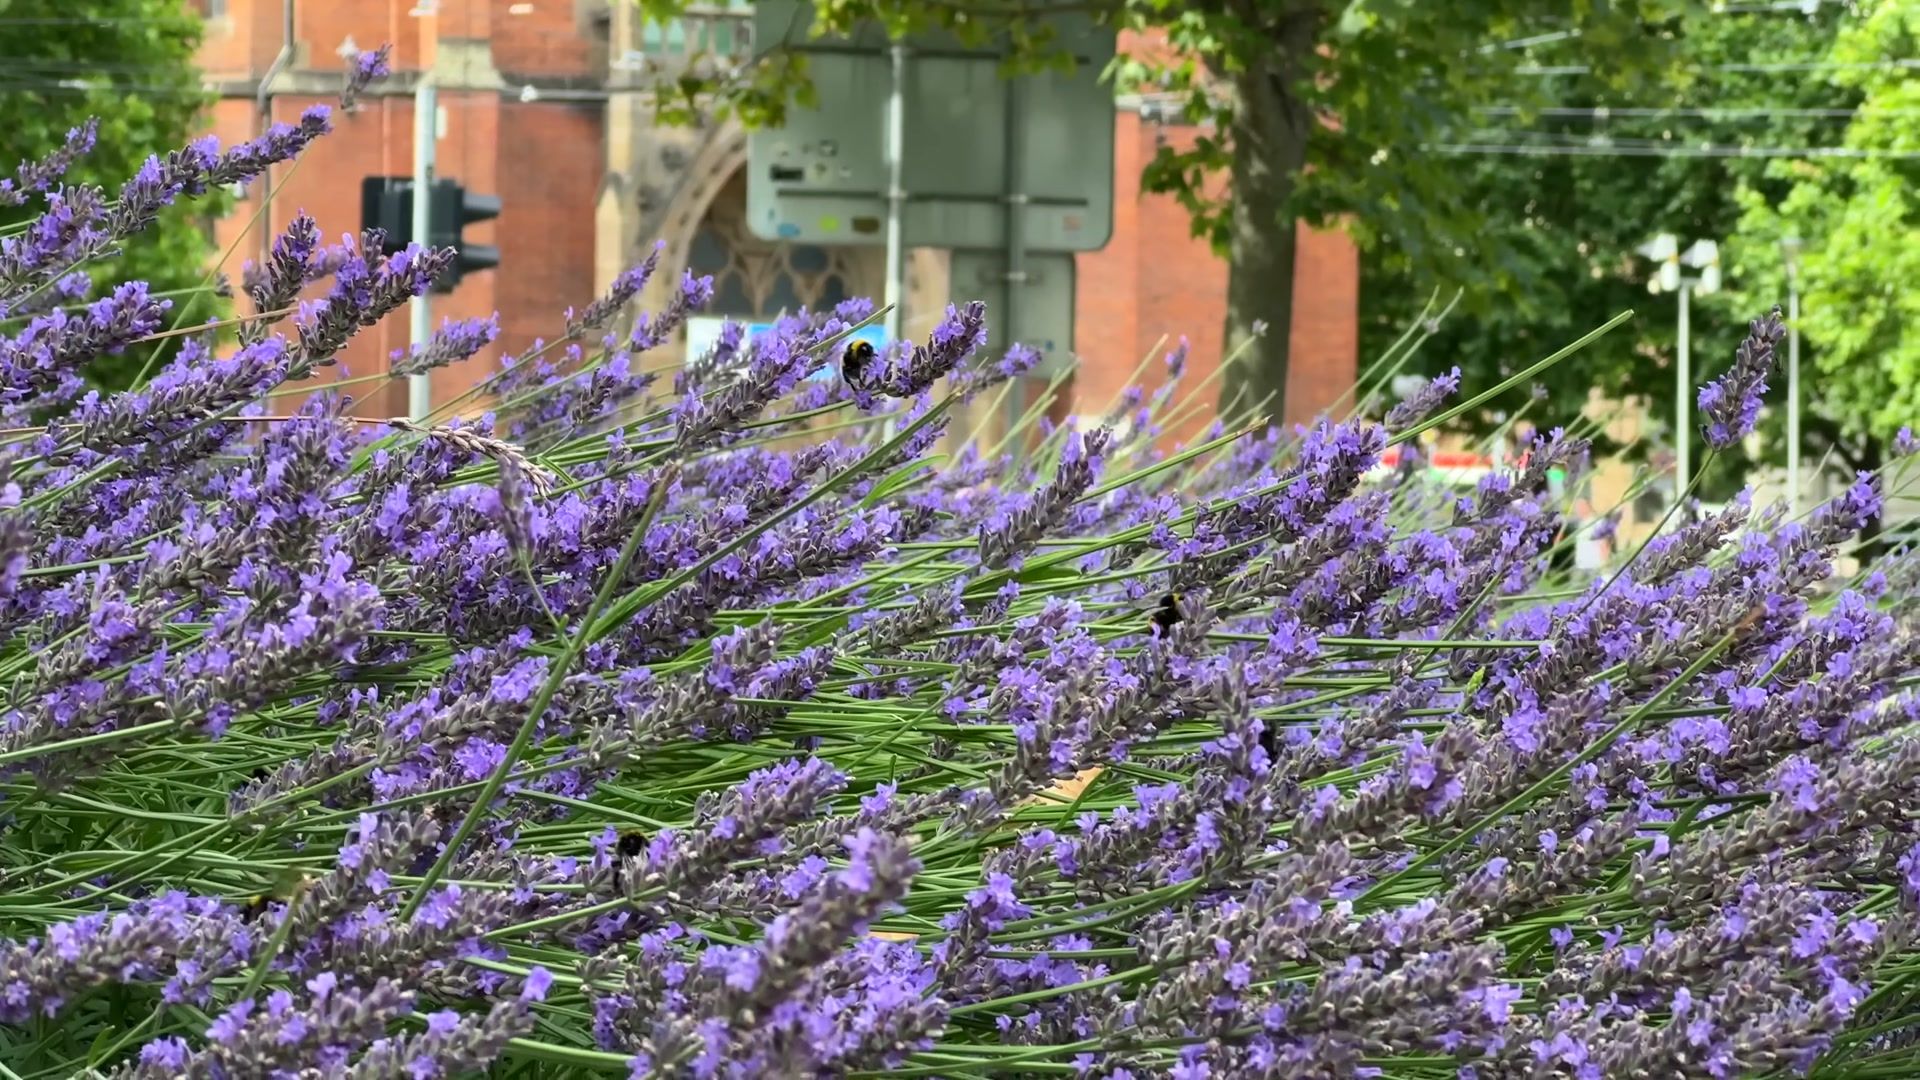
<point x="708" y="723"/>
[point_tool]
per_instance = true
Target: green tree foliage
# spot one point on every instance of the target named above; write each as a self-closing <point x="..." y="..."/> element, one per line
<point x="1857" y="215"/>
<point x="1794" y="90"/>
<point x="131" y="64"/>
<point x="1315" y="109"/>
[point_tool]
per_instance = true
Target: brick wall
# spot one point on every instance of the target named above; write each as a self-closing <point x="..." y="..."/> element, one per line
<point x="548" y="40"/>
<point x="542" y="158"/>
<point x="243" y="40"/>
<point x="546" y="234"/>
<point x="321" y="25"/>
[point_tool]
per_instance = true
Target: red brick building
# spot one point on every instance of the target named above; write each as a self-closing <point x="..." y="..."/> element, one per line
<point x="543" y="103"/>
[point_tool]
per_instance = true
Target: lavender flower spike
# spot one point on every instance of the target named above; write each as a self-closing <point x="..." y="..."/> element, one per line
<point x="455" y="341"/>
<point x="958" y="335"/>
<point x="624" y="288"/>
<point x="368" y="67"/>
<point x="879" y="869"/>
<point x="1419" y="404"/>
<point x="1731" y="403"/>
<point x="182" y="941"/>
<point x="35" y="176"/>
<point x="454" y="1045"/>
<point x="248" y="1040"/>
<point x="55" y="343"/>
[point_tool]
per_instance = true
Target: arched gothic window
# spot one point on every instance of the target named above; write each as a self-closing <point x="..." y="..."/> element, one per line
<point x="755" y="279"/>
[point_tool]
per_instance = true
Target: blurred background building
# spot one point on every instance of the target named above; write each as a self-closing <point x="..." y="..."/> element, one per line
<point x="548" y="105"/>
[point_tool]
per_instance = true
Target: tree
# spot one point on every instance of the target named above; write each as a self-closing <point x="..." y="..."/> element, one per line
<point x="1789" y="84"/>
<point x="129" y="63"/>
<point x="1858" y="219"/>
<point x="1318" y="110"/>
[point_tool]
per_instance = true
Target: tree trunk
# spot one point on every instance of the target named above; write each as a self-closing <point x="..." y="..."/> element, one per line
<point x="1271" y="123"/>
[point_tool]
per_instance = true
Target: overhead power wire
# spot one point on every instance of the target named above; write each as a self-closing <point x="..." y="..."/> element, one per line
<point x="1604" y="112"/>
<point x="1553" y="150"/>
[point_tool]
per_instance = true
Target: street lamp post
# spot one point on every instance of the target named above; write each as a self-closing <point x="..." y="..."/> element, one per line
<point x="426" y="134"/>
<point x="1790" y="252"/>
<point x="1704" y="256"/>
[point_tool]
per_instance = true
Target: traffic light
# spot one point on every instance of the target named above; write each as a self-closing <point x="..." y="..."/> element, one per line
<point x="455" y="208"/>
<point x="386" y="203"/>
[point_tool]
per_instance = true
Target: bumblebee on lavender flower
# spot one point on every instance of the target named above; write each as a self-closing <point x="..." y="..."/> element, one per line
<point x="255" y="906"/>
<point x="1167" y="615"/>
<point x="857" y="362"/>
<point x="631" y="845"/>
<point x="285" y="887"/>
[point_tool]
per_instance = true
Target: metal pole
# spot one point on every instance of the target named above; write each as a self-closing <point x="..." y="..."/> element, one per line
<point x="263" y="101"/>
<point x="1682" y="425"/>
<point x="1014" y="237"/>
<point x="426" y="122"/>
<point x="896" y="194"/>
<point x="1793" y="398"/>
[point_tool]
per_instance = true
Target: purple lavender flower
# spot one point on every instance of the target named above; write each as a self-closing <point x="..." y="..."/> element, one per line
<point x="1431" y="395"/>
<point x="294" y="262"/>
<point x="1177" y="358"/>
<point x="365" y="290"/>
<point x="958" y="335"/>
<point x="192" y="387"/>
<point x="1731" y="403"/>
<point x="33" y="177"/>
<point x="747" y="819"/>
<point x="624" y="288"/>
<point x="1377" y="747"/>
<point x="1012" y="531"/>
<point x="72" y="227"/>
<point x="453" y="342"/>
<point x="245" y="161"/>
<point x="365" y="68"/>
<point x="256" y="1037"/>
<point x="53" y="345"/>
<point x="181" y="941"/>
<point x="1015" y="362"/>
<point x="650" y="332"/>
<point x="451" y="1045"/>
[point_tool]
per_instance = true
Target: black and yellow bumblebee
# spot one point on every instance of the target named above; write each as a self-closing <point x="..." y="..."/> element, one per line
<point x="286" y="886"/>
<point x="1167" y="615"/>
<point x="255" y="906"/>
<point x="856" y="361"/>
<point x="631" y="845"/>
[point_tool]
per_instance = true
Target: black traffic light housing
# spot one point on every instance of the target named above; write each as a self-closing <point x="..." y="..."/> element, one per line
<point x="386" y="203"/>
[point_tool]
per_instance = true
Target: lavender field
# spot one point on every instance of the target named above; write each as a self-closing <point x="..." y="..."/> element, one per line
<point x="724" y="723"/>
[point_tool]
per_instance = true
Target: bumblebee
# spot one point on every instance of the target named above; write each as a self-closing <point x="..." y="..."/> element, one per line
<point x="285" y="888"/>
<point x="631" y="845"/>
<point x="856" y="361"/>
<point x="1167" y="615"/>
<point x="1270" y="742"/>
<point x="255" y="907"/>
